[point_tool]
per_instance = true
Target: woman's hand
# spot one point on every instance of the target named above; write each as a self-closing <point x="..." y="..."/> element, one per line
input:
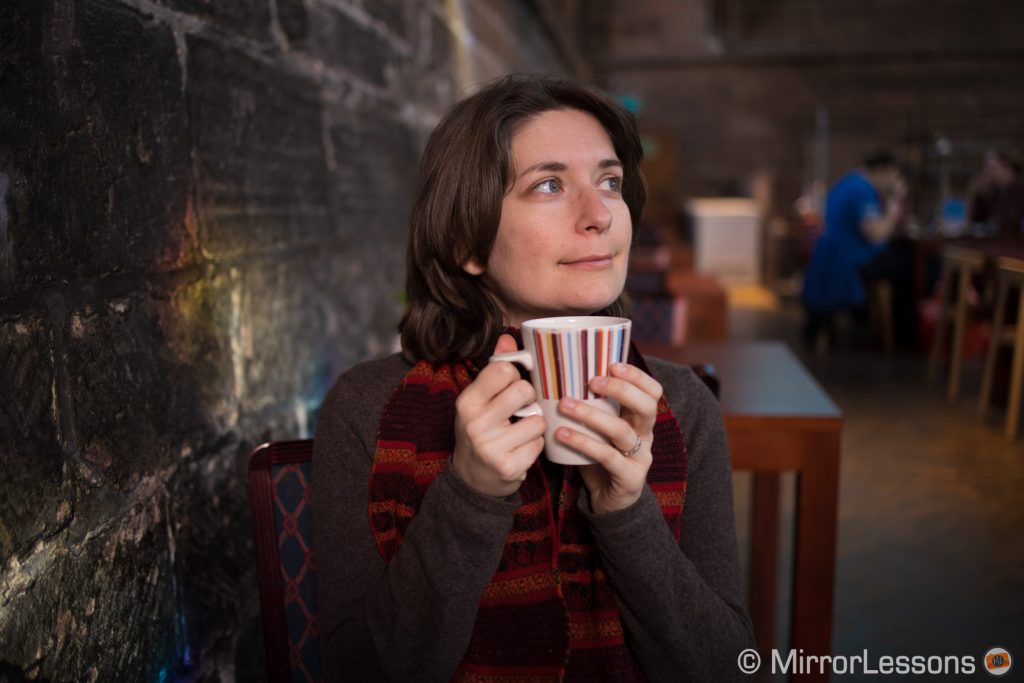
<point x="492" y="454"/>
<point x="617" y="480"/>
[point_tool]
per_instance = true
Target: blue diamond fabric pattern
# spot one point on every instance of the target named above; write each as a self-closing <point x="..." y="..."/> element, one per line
<point x="292" y="518"/>
<point x="659" y="320"/>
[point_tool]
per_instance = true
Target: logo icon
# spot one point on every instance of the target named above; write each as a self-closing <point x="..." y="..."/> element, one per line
<point x="749" y="661"/>
<point x="998" y="661"/>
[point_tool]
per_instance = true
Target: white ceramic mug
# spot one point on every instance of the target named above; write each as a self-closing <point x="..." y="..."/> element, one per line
<point x="562" y="355"/>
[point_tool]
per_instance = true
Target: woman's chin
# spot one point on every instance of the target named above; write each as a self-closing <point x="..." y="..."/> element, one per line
<point x="589" y="305"/>
<point x="585" y="302"/>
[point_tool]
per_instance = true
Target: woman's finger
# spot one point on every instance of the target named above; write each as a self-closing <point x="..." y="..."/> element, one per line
<point x="638" y="378"/>
<point x="635" y="391"/>
<point x="617" y="430"/>
<point x="491" y="381"/>
<point x="498" y="390"/>
<point x="606" y="455"/>
<point x="506" y="344"/>
<point x="513" y="449"/>
<point x="510" y="437"/>
<point x="496" y="393"/>
<point x="492" y="419"/>
<point x="515" y="396"/>
<point x="526" y="454"/>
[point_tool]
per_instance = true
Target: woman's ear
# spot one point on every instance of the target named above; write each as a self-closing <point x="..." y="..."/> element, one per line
<point x="472" y="266"/>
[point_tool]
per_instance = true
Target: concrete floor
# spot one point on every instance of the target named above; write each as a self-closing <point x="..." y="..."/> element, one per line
<point x="930" y="557"/>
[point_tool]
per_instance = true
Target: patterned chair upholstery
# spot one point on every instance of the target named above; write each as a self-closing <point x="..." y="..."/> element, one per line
<point x="279" y="475"/>
<point x="659" y="319"/>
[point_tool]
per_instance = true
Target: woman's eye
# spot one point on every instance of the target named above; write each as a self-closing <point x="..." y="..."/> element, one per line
<point x="549" y="186"/>
<point x="612" y="183"/>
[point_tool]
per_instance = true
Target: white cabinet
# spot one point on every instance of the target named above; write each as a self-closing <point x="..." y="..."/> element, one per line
<point x="727" y="238"/>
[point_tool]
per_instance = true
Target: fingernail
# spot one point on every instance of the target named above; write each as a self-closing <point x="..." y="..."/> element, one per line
<point x="563" y="433"/>
<point x="599" y="382"/>
<point x="619" y="368"/>
<point x="568" y="403"/>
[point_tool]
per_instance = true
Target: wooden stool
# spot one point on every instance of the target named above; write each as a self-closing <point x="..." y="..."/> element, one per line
<point x="879" y="304"/>
<point x="960" y="263"/>
<point x="1010" y="273"/>
<point x="880" y="308"/>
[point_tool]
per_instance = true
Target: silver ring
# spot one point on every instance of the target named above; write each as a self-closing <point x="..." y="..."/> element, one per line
<point x="635" y="449"/>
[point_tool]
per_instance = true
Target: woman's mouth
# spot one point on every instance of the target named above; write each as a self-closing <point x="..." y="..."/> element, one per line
<point x="590" y="262"/>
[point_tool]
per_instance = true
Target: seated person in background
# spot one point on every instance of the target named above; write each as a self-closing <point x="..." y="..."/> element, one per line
<point x="862" y="212"/>
<point x="997" y="195"/>
<point x="447" y="548"/>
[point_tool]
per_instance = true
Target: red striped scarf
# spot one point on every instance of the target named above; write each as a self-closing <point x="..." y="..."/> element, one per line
<point x="549" y="612"/>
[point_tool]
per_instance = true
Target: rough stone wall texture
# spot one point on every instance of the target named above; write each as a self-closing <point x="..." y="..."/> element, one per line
<point x="738" y="82"/>
<point x="202" y="223"/>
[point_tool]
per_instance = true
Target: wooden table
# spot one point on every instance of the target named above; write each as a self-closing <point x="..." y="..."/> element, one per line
<point x="928" y="252"/>
<point x="779" y="419"/>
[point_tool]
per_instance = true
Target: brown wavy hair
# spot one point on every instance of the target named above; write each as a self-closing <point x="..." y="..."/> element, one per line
<point x="465" y="173"/>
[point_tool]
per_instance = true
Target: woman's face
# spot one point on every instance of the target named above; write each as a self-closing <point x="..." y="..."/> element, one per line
<point x="563" y="239"/>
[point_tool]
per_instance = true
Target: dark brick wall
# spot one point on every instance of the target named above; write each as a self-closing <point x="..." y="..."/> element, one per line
<point x="203" y="209"/>
<point x="738" y="83"/>
<point x="660" y="29"/>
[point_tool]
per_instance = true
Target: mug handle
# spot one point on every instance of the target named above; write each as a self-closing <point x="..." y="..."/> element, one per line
<point x="525" y="359"/>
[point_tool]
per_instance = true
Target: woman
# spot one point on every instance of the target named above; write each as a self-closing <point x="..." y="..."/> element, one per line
<point x="481" y="560"/>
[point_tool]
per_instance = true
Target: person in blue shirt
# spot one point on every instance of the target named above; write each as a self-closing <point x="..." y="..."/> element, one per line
<point x="862" y="211"/>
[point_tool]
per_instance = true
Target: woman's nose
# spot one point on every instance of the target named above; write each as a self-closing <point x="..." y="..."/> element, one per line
<point x="593" y="215"/>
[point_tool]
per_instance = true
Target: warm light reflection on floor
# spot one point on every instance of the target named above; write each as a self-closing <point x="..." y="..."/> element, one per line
<point x="752" y="296"/>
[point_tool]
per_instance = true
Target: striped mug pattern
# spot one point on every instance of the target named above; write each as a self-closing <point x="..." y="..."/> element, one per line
<point x="568" y="358"/>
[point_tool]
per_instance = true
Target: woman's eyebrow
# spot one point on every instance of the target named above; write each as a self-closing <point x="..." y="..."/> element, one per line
<point x="558" y="166"/>
<point x="543" y="166"/>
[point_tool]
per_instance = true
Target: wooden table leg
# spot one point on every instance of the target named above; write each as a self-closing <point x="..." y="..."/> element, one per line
<point x="764" y="552"/>
<point x="815" y="552"/>
<point x="1017" y="373"/>
<point x="956" y="356"/>
<point x="938" y="336"/>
